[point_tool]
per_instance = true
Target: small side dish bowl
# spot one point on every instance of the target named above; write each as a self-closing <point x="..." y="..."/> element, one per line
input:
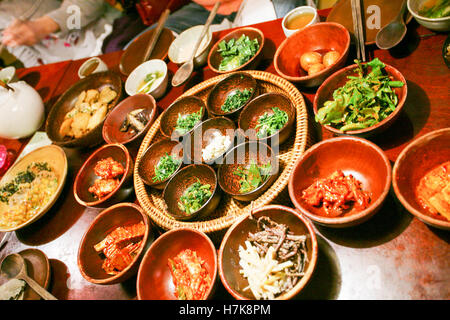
<point x="181" y="181"/>
<point x="320" y="37"/>
<point x="8" y="75"/>
<point x="151" y="157"/>
<point x="291" y="15"/>
<point x="113" y="122"/>
<point x="181" y="48"/>
<point x="417" y="159"/>
<point x="338" y="79"/>
<point x="358" y="157"/>
<point x="250" y="115"/>
<point x="138" y="75"/>
<point x="242" y="156"/>
<point x="215" y="58"/>
<point x="229" y="86"/>
<point x="436" y="24"/>
<point x="236" y="236"/>
<point x="90" y="261"/>
<point x="86" y="177"/>
<point x="181" y="107"/>
<point x="204" y="134"/>
<point x="154" y="280"/>
<point x="90" y="66"/>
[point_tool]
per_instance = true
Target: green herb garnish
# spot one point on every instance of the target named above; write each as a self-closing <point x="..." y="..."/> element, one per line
<point x="236" y="99"/>
<point x="440" y="9"/>
<point x="185" y="123"/>
<point x="166" y="167"/>
<point x="194" y="197"/>
<point x="148" y="81"/>
<point x="252" y="176"/>
<point x="237" y="52"/>
<point x="269" y="124"/>
<point x="363" y="101"/>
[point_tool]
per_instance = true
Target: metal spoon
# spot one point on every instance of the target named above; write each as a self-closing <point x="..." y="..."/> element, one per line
<point x="13" y="266"/>
<point x="185" y="71"/>
<point x="391" y="34"/>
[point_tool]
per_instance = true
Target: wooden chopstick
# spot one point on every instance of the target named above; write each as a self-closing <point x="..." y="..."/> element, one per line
<point x="156" y="33"/>
<point x="358" y="30"/>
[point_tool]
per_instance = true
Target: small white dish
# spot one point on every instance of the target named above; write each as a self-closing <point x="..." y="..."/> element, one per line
<point x="294" y="13"/>
<point x="8" y="75"/>
<point x="90" y="66"/>
<point x="158" y="88"/>
<point x="181" y="48"/>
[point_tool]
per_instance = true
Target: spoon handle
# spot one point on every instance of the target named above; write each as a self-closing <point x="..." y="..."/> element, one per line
<point x="402" y="11"/>
<point x="37" y="288"/>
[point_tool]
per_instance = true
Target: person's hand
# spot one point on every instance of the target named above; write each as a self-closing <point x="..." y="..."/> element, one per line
<point x="28" y="33"/>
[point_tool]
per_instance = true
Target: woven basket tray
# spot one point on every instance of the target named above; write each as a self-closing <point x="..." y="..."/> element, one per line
<point x="229" y="209"/>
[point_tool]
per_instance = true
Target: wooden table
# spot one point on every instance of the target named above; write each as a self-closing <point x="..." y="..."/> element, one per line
<point x="392" y="256"/>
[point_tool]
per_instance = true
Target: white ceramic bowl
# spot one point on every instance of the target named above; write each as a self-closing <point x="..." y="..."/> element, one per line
<point x="295" y="12"/>
<point x="138" y="75"/>
<point x="181" y="48"/>
<point x="100" y="67"/>
<point x="8" y="74"/>
<point x="437" y="24"/>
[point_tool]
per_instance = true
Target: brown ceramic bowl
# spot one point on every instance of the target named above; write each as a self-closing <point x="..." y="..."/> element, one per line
<point x="256" y="108"/>
<point x="228" y="86"/>
<point x="320" y="37"/>
<point x="86" y="177"/>
<point x="151" y="157"/>
<point x="66" y="102"/>
<point x="417" y="159"/>
<point x="214" y="57"/>
<point x="154" y="280"/>
<point x="134" y="54"/>
<point x="229" y="267"/>
<point x="90" y="261"/>
<point x="111" y="128"/>
<point x="182" y="180"/>
<point x="338" y="79"/>
<point x="243" y="155"/>
<point x="359" y="157"/>
<point x="203" y="134"/>
<point x="182" y="106"/>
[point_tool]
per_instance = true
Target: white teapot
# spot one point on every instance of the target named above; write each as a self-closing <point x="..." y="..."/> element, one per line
<point x="21" y="110"/>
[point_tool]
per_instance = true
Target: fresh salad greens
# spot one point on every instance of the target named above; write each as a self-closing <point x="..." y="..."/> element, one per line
<point x="149" y="80"/>
<point x="440" y="9"/>
<point x="269" y="124"/>
<point x="236" y="99"/>
<point x="252" y="176"/>
<point x="166" y="167"/>
<point x="186" y="122"/>
<point x="237" y="52"/>
<point x="363" y="101"/>
<point x="194" y="197"/>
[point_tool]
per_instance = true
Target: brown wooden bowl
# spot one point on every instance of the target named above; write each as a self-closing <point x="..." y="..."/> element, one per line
<point x="134" y="54"/>
<point x="183" y="106"/>
<point x="66" y="102"/>
<point x="417" y="159"/>
<point x="236" y="235"/>
<point x="86" y="177"/>
<point x="228" y="86"/>
<point x="320" y="37"/>
<point x="182" y="180"/>
<point x="202" y="135"/>
<point x="111" y="128"/>
<point x="359" y="157"/>
<point x="154" y="280"/>
<point x="249" y="117"/>
<point x="151" y="157"/>
<point x="214" y="57"/>
<point x="242" y="155"/>
<point x="90" y="262"/>
<point x="338" y="79"/>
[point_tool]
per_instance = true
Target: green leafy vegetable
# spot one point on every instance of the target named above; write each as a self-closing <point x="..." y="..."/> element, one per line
<point x="440" y="9"/>
<point x="148" y="81"/>
<point x="194" y="197"/>
<point x="236" y="100"/>
<point x="269" y="124"/>
<point x="166" y="167"/>
<point x="185" y="123"/>
<point x="252" y="176"/>
<point x="237" y="52"/>
<point x="363" y="101"/>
